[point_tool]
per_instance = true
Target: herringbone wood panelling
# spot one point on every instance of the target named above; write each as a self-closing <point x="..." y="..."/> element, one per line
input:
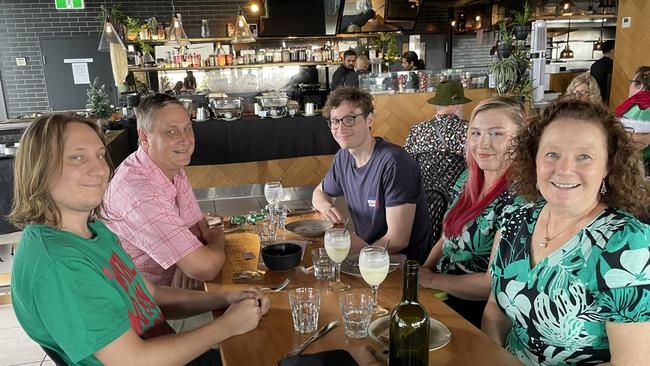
<point x="398" y="112"/>
<point x="632" y="48"/>
<point x="302" y="171"/>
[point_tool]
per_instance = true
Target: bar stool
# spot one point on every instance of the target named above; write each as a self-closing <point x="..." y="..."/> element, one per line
<point x="7" y="244"/>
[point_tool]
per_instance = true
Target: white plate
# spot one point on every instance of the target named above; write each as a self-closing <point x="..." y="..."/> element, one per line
<point x="229" y="119"/>
<point x="310" y="115"/>
<point x="309" y="227"/>
<point x="439" y="334"/>
<point x="351" y="264"/>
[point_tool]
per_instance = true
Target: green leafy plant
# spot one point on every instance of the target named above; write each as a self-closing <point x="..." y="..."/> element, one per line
<point x="387" y="42"/>
<point x="98" y="101"/>
<point x="114" y="13"/>
<point x="505" y="32"/>
<point x="145" y="47"/>
<point x="133" y="25"/>
<point x="151" y="24"/>
<point x="523" y="17"/>
<point x="505" y="73"/>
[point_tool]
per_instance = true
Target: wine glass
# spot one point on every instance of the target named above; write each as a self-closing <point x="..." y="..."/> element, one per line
<point x="337" y="245"/>
<point x="373" y="265"/>
<point x="273" y="192"/>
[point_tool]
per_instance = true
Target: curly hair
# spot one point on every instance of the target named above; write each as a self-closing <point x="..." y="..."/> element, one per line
<point x="352" y="95"/>
<point x="38" y="159"/>
<point x="626" y="187"/>
<point x="592" y="86"/>
<point x="642" y="77"/>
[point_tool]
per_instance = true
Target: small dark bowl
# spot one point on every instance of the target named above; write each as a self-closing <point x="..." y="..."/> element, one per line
<point x="282" y="257"/>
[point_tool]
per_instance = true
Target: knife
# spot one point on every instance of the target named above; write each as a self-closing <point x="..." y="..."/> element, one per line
<point x="321" y="332"/>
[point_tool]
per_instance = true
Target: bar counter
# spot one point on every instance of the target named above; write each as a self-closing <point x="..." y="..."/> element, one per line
<point x="257" y="139"/>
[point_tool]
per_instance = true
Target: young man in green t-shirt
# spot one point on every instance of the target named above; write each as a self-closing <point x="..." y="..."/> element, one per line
<point x="74" y="289"/>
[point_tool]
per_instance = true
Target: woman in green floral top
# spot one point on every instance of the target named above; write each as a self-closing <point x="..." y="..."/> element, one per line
<point x="571" y="275"/>
<point x="480" y="197"/>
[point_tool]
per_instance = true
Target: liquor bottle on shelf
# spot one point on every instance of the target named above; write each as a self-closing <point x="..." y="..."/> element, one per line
<point x="221" y="55"/>
<point x="409" y="325"/>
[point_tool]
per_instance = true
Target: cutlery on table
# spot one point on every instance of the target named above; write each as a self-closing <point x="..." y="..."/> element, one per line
<point x="321" y="332"/>
<point x="277" y="288"/>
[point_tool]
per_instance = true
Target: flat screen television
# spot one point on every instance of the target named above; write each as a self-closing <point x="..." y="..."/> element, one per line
<point x="299" y="18"/>
<point x="378" y="15"/>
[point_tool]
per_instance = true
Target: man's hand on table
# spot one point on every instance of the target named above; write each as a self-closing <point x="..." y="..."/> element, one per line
<point x="332" y="214"/>
<point x="250" y="293"/>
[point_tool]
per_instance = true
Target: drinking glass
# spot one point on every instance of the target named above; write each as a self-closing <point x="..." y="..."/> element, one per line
<point x="273" y="192"/>
<point x="337" y="245"/>
<point x="305" y="306"/>
<point x="373" y="265"/>
<point x="324" y="267"/>
<point x="356" y="309"/>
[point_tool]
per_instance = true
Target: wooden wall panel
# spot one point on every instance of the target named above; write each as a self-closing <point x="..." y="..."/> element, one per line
<point x="302" y="171"/>
<point x="632" y="47"/>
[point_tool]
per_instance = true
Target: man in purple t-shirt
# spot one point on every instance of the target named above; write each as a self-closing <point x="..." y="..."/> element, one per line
<point x="380" y="181"/>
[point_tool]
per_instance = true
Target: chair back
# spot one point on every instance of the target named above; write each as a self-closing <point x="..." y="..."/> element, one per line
<point x="58" y="361"/>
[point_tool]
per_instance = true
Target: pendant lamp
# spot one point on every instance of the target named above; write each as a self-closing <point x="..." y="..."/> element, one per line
<point x="109" y="37"/>
<point x="567" y="7"/>
<point x="243" y="33"/>
<point x="567" y="52"/>
<point x="176" y="34"/>
<point x="598" y="45"/>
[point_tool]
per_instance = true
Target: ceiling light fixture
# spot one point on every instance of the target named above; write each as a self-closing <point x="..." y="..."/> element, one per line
<point x="176" y="35"/>
<point x="567" y="52"/>
<point x="567" y="7"/>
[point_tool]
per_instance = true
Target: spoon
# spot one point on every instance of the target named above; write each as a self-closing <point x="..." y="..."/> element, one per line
<point x="347" y="222"/>
<point x="387" y="242"/>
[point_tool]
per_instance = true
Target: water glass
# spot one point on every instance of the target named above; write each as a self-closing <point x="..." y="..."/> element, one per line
<point x="356" y="309"/>
<point x="266" y="231"/>
<point x="324" y="267"/>
<point x="281" y="215"/>
<point x="305" y="306"/>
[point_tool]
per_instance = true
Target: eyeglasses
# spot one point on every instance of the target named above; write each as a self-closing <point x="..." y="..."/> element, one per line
<point x="347" y="121"/>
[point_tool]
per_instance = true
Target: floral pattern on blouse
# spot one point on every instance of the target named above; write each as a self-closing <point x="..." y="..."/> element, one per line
<point x="560" y="306"/>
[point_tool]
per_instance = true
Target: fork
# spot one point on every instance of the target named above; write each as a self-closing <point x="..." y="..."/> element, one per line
<point x="277" y="288"/>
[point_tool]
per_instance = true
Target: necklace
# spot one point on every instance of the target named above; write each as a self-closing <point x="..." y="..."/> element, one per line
<point x="547" y="238"/>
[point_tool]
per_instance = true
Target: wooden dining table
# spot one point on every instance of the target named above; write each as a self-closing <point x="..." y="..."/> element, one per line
<point x="275" y="336"/>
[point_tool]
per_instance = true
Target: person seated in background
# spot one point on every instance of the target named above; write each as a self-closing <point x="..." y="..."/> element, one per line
<point x="584" y="87"/>
<point x="601" y="70"/>
<point x="569" y="275"/>
<point x="635" y="110"/>
<point x="438" y="145"/>
<point x="74" y="290"/>
<point x="380" y="182"/>
<point x="344" y="74"/>
<point x="151" y="207"/>
<point x="410" y="61"/>
<point x="458" y="263"/>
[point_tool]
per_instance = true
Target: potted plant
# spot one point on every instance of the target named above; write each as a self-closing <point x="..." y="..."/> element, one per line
<point x="133" y="28"/>
<point x="98" y="102"/>
<point x="152" y="26"/>
<point x="504" y="50"/>
<point x="521" y="20"/>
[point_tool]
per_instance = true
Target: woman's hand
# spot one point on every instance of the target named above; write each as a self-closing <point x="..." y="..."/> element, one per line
<point x="250" y="293"/>
<point x="426" y="278"/>
<point x="243" y="316"/>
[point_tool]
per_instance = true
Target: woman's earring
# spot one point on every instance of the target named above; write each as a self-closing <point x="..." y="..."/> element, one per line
<point x="536" y="187"/>
<point x="603" y="188"/>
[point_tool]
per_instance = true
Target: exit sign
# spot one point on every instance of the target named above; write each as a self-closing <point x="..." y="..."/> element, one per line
<point x="69" y="4"/>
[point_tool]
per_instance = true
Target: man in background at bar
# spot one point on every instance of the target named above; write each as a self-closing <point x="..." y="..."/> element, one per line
<point x="150" y="204"/>
<point x="601" y="70"/>
<point x="380" y="181"/>
<point x="345" y="74"/>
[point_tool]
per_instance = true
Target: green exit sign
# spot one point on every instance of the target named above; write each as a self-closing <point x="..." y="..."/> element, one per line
<point x="70" y="4"/>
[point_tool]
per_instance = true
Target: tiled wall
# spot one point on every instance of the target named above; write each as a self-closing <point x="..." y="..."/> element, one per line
<point x="24" y="22"/>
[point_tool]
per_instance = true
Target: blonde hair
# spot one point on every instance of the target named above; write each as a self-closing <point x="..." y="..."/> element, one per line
<point x="38" y="159"/>
<point x="592" y="87"/>
<point x="362" y="63"/>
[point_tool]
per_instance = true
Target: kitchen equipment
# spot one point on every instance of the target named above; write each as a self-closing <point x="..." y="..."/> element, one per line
<point x="187" y="103"/>
<point x="310" y="109"/>
<point x="273" y="104"/>
<point x="226" y="108"/>
<point x="201" y="114"/>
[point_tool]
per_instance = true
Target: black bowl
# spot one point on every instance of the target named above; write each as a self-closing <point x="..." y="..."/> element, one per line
<point x="282" y="257"/>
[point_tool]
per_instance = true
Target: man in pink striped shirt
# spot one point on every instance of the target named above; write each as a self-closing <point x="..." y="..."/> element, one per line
<point x="150" y="205"/>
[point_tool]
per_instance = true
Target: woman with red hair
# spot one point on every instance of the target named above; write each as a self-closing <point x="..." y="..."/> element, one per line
<point x="461" y="257"/>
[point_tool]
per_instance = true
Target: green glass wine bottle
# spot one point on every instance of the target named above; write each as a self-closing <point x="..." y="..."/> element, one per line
<point x="409" y="325"/>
